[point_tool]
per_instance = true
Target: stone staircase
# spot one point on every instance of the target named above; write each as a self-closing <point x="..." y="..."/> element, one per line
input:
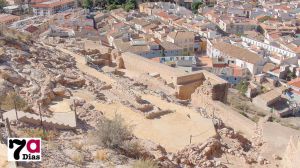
<point x="63" y="120"/>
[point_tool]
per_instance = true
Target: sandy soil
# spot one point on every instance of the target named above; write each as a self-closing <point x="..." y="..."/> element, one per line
<point x="171" y="131"/>
<point x="277" y="138"/>
<point x="59" y="106"/>
<point x="62" y="105"/>
<point x="3" y="156"/>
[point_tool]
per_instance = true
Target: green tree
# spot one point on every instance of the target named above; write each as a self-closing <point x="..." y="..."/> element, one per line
<point x="196" y="5"/>
<point x="112" y="6"/>
<point x="130" y="5"/>
<point x="3" y="3"/>
<point x="290" y="75"/>
<point x="88" y="4"/>
<point x="116" y="2"/>
<point x="242" y="87"/>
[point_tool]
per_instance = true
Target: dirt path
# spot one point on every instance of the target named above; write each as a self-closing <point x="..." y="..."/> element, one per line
<point x="80" y="62"/>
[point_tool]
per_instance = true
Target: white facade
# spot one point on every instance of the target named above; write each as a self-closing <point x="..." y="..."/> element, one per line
<point x="254" y="68"/>
<point x="47" y="8"/>
<point x="269" y="47"/>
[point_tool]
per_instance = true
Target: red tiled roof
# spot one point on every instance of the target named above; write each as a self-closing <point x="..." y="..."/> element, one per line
<point x="37" y="1"/>
<point x="31" y="29"/>
<point x="52" y="4"/>
<point x="5" y="18"/>
<point x="88" y="28"/>
<point x="156" y="59"/>
<point x="219" y="65"/>
<point x="237" y="72"/>
<point x="295" y="82"/>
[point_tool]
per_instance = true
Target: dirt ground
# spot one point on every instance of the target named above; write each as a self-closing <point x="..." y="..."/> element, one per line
<point x="171" y="131"/>
<point x="244" y="106"/>
<point x="276" y="138"/>
<point x="3" y="156"/>
<point x="61" y="105"/>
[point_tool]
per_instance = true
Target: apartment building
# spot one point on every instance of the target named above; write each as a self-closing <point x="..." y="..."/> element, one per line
<point x="186" y="40"/>
<point x="52" y="7"/>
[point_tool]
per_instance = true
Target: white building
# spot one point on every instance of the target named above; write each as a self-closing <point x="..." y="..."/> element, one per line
<point x="52" y="7"/>
<point x="283" y="55"/>
<point x="237" y="56"/>
<point x="268" y="47"/>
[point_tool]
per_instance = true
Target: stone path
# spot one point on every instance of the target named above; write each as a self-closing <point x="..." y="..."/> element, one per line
<point x="65" y="120"/>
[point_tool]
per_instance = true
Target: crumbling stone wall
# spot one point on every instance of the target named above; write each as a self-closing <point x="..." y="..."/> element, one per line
<point x="210" y="91"/>
<point x="187" y="84"/>
<point x="210" y="96"/>
<point x="185" y="91"/>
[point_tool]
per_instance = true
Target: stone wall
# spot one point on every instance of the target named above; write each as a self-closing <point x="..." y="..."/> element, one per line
<point x="184" y="92"/>
<point x="95" y="45"/>
<point x="229" y="117"/>
<point x="184" y="83"/>
<point x="189" y="78"/>
<point x="211" y="95"/>
<point x="187" y="84"/>
<point x="137" y="63"/>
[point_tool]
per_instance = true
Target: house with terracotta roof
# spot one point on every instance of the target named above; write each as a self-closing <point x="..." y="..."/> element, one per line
<point x="233" y="75"/>
<point x="294" y="90"/>
<point x="236" y="25"/>
<point x="184" y="39"/>
<point x="140" y="23"/>
<point x="171" y="49"/>
<point x="235" y="55"/>
<point x="6" y="19"/>
<point x="138" y="46"/>
<point x="32" y="30"/>
<point x="295" y="85"/>
<point x="51" y="7"/>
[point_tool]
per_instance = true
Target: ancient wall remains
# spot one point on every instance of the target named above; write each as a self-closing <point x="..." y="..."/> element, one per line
<point x="137" y="63"/>
<point x="211" y="95"/>
<point x="184" y="83"/>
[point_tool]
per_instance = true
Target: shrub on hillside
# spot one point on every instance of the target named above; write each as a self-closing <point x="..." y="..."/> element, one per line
<point x="145" y="164"/>
<point x="112" y="133"/>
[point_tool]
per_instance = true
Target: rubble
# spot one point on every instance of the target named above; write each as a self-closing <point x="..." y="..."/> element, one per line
<point x="60" y="91"/>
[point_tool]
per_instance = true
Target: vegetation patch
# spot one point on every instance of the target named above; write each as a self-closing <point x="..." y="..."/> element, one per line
<point x="112" y="133"/>
<point x="145" y="164"/>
